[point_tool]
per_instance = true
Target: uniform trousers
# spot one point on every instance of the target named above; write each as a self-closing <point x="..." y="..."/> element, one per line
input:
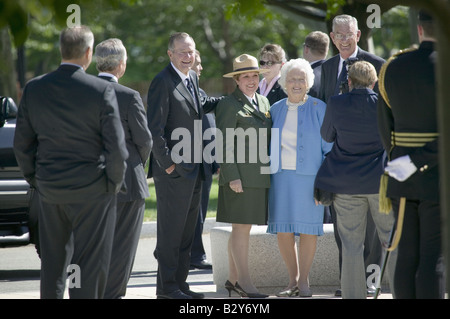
<point x="80" y="234"/>
<point x="352" y="212"/>
<point x="420" y="268"/>
<point x="130" y="216"/>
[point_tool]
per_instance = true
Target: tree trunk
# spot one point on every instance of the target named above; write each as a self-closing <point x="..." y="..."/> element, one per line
<point x="8" y="85"/>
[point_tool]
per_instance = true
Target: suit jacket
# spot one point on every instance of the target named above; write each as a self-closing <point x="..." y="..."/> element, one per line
<point x="174" y="121"/>
<point x="69" y="141"/>
<point x="311" y="148"/>
<point x="317" y="69"/>
<point x="138" y="140"/>
<point x="209" y="123"/>
<point x="235" y="113"/>
<point x="411" y="92"/>
<point x="330" y="72"/>
<point x="355" y="163"/>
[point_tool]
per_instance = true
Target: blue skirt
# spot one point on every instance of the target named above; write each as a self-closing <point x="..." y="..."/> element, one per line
<point x="291" y="204"/>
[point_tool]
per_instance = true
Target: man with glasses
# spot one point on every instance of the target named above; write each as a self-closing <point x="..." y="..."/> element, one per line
<point x="345" y="36"/>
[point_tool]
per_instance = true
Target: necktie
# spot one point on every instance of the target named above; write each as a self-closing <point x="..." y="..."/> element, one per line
<point x="342" y="78"/>
<point x="191" y="90"/>
<point x="255" y="104"/>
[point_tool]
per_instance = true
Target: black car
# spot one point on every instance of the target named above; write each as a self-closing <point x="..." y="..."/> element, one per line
<point x="17" y="220"/>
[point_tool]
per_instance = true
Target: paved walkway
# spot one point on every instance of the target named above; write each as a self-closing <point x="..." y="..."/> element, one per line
<point x="142" y="284"/>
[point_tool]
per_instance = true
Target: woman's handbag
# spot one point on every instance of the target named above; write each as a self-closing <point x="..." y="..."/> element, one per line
<point x="324" y="197"/>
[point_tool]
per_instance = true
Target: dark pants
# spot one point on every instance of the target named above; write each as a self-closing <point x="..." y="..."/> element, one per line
<point x="178" y="204"/>
<point x="198" y="253"/>
<point x="420" y="270"/>
<point x="80" y="234"/>
<point x="130" y="216"/>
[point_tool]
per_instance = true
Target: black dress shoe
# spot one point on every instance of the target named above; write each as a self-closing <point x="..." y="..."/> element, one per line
<point x="177" y="294"/>
<point x="203" y="264"/>
<point x="193" y="294"/>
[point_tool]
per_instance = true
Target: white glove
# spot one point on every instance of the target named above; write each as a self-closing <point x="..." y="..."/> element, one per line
<point x="401" y="168"/>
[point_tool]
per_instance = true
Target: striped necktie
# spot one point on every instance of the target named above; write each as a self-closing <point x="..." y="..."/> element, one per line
<point x="191" y="90"/>
<point x="342" y="78"/>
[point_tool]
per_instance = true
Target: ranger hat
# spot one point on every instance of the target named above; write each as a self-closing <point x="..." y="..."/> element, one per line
<point x="243" y="64"/>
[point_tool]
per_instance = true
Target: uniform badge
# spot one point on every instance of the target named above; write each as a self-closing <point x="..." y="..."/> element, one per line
<point x="267" y="114"/>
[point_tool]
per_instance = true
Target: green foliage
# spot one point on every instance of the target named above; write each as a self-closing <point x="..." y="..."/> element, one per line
<point x="145" y="26"/>
<point x="332" y="6"/>
<point x="222" y="30"/>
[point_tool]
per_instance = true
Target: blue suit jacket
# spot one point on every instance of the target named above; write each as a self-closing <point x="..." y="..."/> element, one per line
<point x="311" y="148"/>
<point x="355" y="163"/>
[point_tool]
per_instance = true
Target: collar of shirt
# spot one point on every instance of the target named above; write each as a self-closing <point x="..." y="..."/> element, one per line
<point x="250" y="99"/>
<point x="265" y="87"/>
<point x="181" y="74"/>
<point x="341" y="60"/>
<point x="73" y="64"/>
<point x="109" y="75"/>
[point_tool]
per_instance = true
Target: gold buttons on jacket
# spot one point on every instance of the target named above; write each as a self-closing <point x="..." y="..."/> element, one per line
<point x="424" y="168"/>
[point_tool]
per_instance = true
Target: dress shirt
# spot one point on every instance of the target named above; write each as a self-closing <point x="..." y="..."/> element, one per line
<point x="264" y="87"/>
<point x="109" y="75"/>
<point x="341" y="61"/>
<point x="253" y="101"/>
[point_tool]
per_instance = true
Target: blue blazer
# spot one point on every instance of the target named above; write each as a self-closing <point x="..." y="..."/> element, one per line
<point x="355" y="163"/>
<point x="311" y="148"/>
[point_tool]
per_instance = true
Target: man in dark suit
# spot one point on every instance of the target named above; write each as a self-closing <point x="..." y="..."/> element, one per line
<point x="315" y="51"/>
<point x="407" y="119"/>
<point x="111" y="58"/>
<point x="198" y="254"/>
<point x="174" y="116"/>
<point x="70" y="145"/>
<point x="345" y="36"/>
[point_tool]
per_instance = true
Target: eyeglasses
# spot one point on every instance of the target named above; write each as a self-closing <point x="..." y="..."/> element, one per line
<point x="340" y="36"/>
<point x="268" y="63"/>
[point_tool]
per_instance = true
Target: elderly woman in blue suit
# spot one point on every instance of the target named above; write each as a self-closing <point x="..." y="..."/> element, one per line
<point x="297" y="152"/>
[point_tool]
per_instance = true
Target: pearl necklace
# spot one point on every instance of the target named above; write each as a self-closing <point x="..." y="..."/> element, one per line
<point x="292" y="106"/>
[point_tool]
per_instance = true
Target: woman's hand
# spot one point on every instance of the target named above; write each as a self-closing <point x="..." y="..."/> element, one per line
<point x="236" y="186"/>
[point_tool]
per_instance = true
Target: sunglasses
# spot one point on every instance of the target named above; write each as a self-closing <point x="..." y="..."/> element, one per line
<point x="268" y="63"/>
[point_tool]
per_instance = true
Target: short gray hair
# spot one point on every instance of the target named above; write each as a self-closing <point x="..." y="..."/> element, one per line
<point x="300" y="64"/>
<point x="345" y="19"/>
<point x="73" y="42"/>
<point x="178" y="36"/>
<point x="109" y="54"/>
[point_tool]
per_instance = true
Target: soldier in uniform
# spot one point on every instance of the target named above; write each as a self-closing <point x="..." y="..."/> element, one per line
<point x="408" y="128"/>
